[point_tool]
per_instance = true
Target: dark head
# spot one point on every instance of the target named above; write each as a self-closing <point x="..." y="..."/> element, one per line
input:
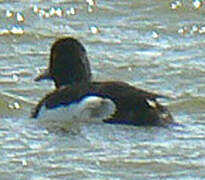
<point x="68" y="63"/>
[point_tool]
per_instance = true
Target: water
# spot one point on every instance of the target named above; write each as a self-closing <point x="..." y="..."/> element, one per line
<point x="154" y="45"/>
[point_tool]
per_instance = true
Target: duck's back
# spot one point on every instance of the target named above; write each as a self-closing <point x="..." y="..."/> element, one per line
<point x="133" y="106"/>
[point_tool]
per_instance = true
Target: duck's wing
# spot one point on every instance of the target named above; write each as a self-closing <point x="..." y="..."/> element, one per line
<point x="119" y="88"/>
<point x="134" y="106"/>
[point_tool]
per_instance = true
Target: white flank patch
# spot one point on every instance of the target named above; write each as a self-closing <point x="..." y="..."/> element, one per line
<point x="152" y="103"/>
<point x="89" y="109"/>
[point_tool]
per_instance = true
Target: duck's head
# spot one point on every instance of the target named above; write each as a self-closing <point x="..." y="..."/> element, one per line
<point x="68" y="63"/>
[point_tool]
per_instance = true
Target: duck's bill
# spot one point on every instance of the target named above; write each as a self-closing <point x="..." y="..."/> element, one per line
<point x="43" y="76"/>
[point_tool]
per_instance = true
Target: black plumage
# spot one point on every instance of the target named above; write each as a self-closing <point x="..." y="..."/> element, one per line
<point x="70" y="69"/>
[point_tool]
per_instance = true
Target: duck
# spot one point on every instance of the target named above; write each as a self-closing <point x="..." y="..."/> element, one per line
<point x="79" y="99"/>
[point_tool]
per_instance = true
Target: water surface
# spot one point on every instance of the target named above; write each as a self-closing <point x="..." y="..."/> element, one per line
<point x="153" y="45"/>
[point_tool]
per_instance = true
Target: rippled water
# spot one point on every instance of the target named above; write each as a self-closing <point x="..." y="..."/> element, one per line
<point x="155" y="45"/>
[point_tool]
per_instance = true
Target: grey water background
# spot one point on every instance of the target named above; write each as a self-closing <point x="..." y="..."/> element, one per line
<point x="154" y="45"/>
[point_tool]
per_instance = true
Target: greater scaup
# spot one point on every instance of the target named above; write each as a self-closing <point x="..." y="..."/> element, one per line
<point x="69" y="68"/>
